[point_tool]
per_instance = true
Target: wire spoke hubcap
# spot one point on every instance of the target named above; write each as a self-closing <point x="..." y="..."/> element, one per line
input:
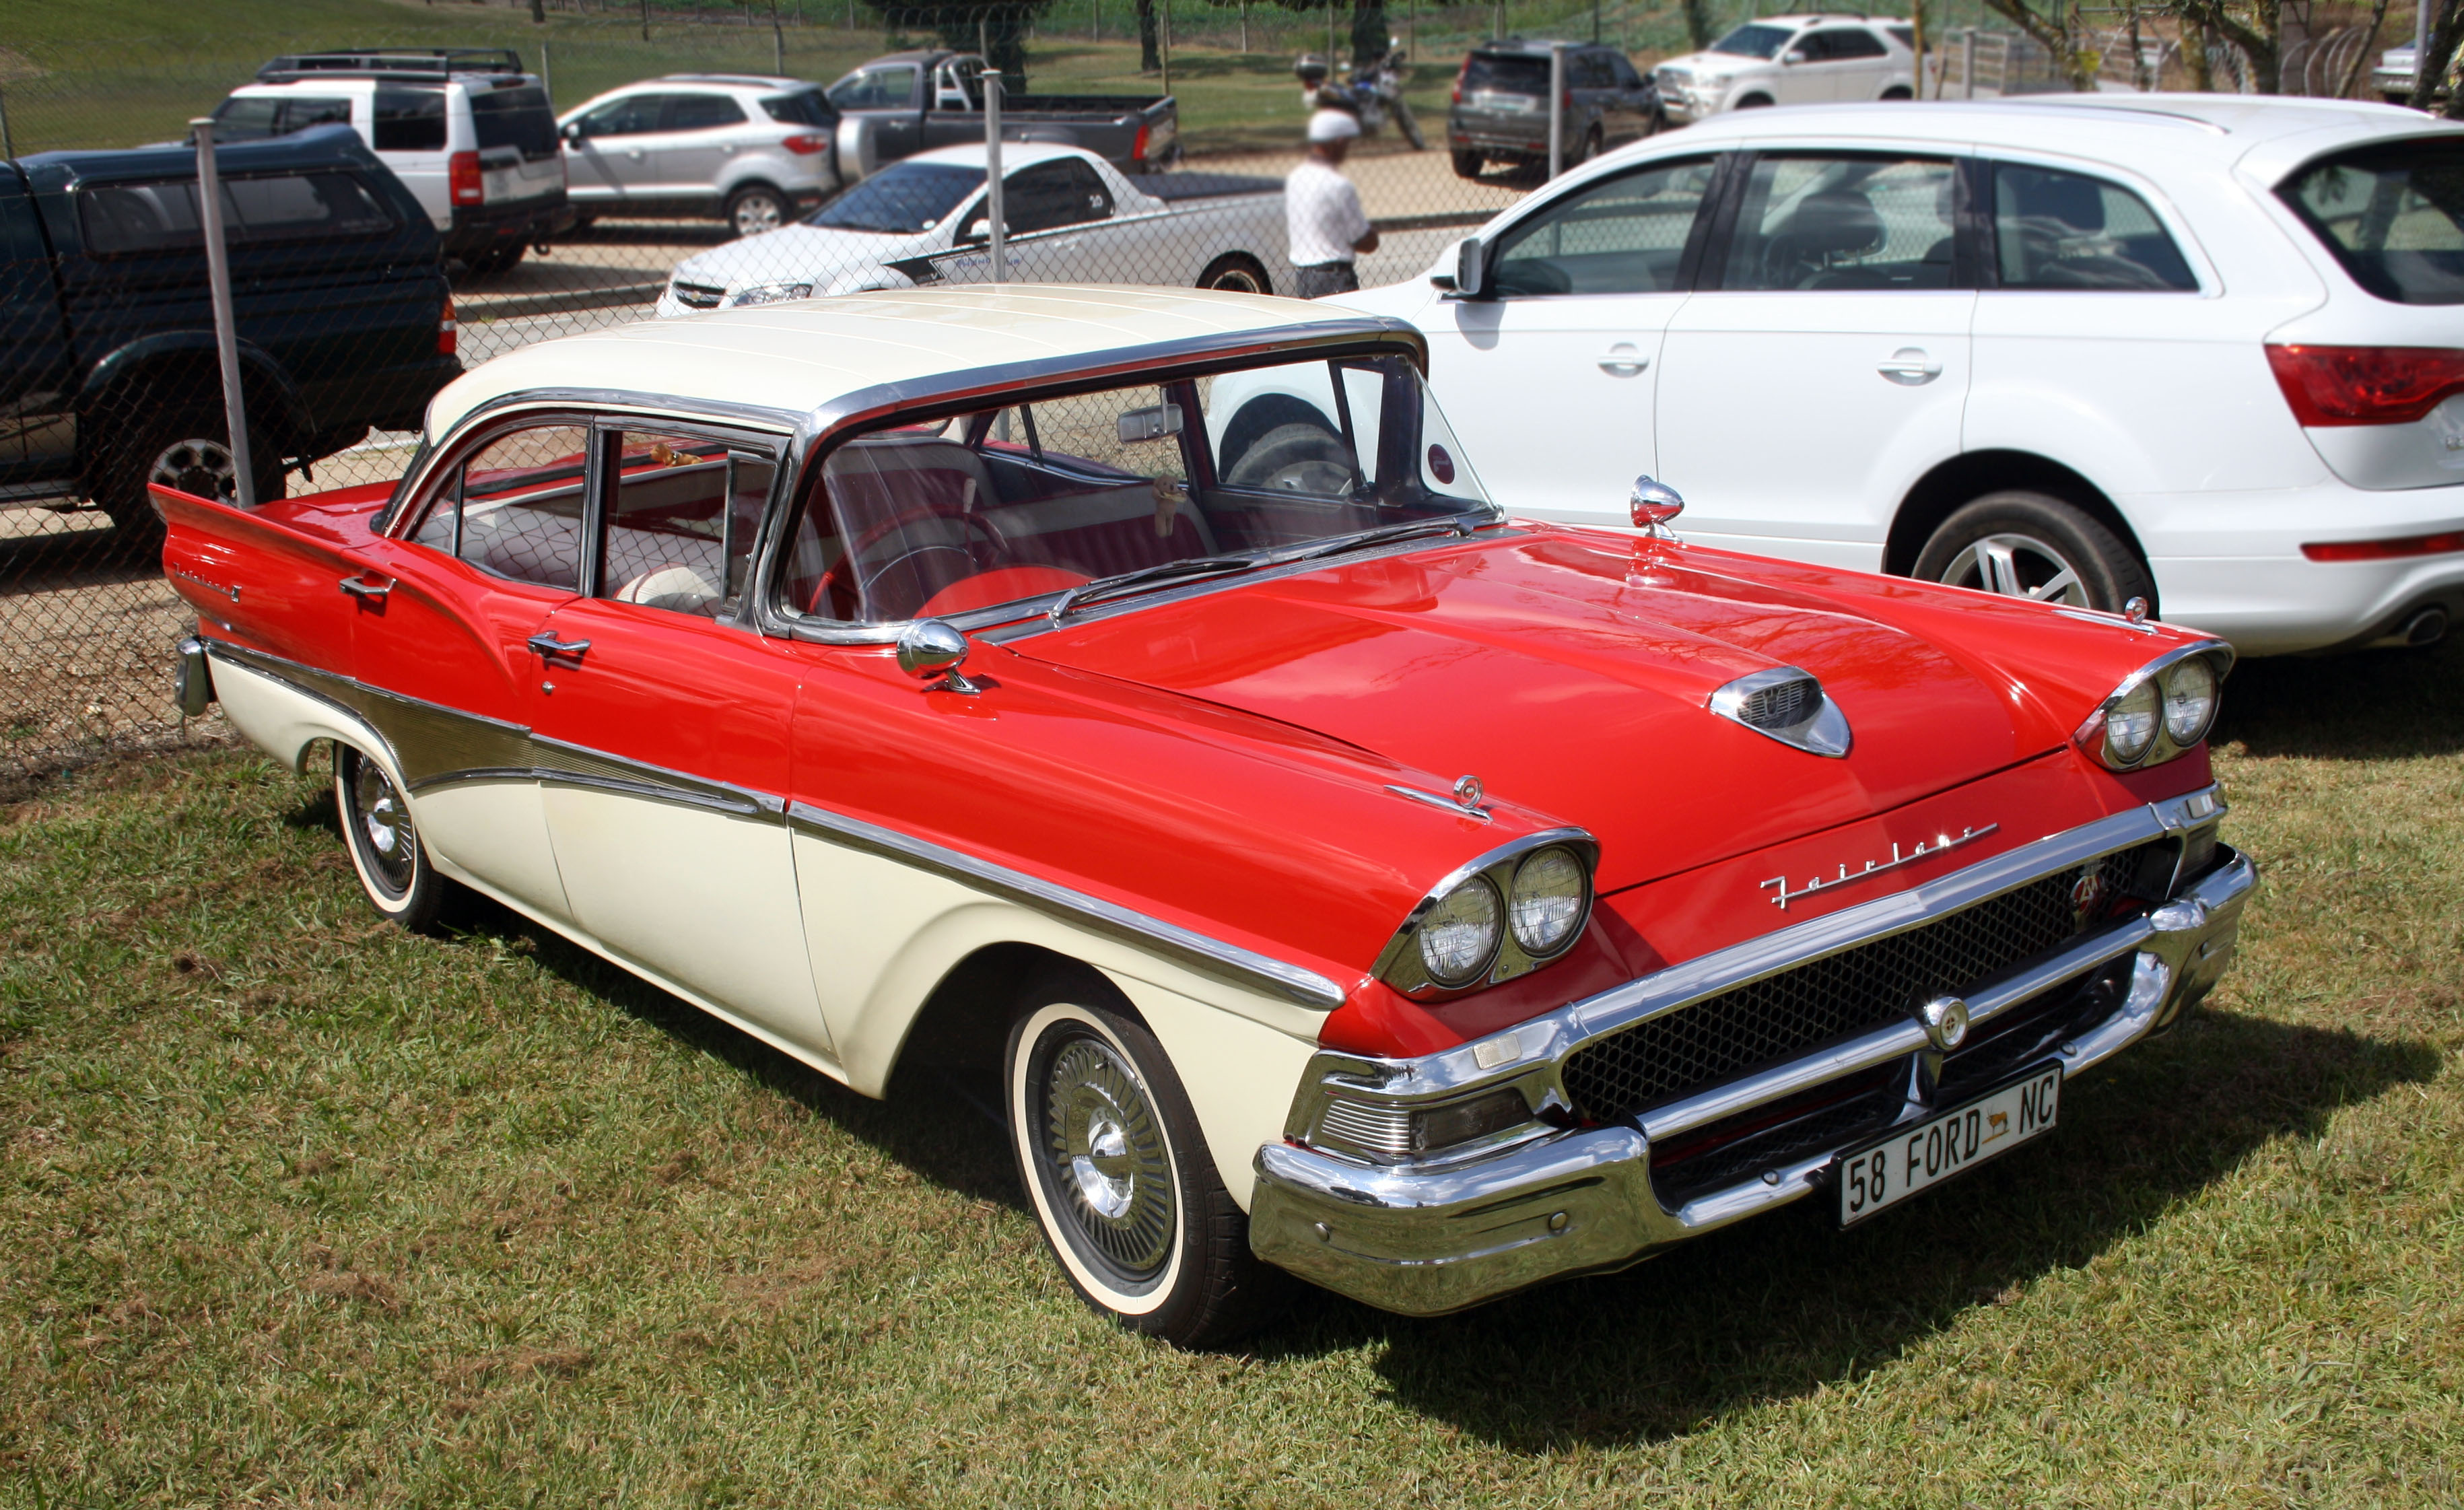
<point x="1108" y="1158"/>
<point x="2018" y="567"/>
<point x="384" y="824"/>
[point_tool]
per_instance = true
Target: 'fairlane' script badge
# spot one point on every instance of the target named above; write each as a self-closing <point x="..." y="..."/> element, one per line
<point x="232" y="593"/>
<point x="1875" y="868"/>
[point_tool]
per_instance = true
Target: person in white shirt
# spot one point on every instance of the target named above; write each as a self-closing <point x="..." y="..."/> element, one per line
<point x="1322" y="211"/>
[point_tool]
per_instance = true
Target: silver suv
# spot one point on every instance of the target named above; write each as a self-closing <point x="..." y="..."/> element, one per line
<point x="752" y="149"/>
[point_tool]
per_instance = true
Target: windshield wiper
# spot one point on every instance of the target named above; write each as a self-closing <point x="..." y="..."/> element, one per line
<point x="1169" y="571"/>
<point x="1458" y="525"/>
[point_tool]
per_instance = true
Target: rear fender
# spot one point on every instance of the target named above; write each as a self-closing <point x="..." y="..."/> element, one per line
<point x="127" y="377"/>
<point x="287" y="721"/>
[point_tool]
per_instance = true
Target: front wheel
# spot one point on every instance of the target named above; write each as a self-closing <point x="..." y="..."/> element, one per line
<point x="1412" y="132"/>
<point x="1236" y="272"/>
<point x="1123" y="1187"/>
<point x="384" y="844"/>
<point x="2026" y="544"/>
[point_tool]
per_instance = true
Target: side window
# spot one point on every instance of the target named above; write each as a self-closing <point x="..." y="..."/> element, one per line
<point x="1813" y="46"/>
<point x="875" y="89"/>
<point x="1050" y="195"/>
<point x="1625" y="235"/>
<point x="2067" y="230"/>
<point x="120" y="218"/>
<point x="680" y="521"/>
<point x="515" y="508"/>
<point x="1854" y="42"/>
<point x="634" y="116"/>
<point x="1622" y="74"/>
<point x="410" y="120"/>
<point x="1821" y="223"/>
<point x="702" y="112"/>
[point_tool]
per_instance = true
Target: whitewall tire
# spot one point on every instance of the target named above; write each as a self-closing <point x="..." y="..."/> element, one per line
<point x="1118" y="1175"/>
<point x="384" y="844"/>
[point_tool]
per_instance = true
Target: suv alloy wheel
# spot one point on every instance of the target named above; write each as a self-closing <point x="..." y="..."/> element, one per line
<point x="756" y="209"/>
<point x="2026" y="544"/>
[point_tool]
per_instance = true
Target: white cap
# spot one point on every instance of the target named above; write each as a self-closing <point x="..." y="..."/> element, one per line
<point x="1334" y="125"/>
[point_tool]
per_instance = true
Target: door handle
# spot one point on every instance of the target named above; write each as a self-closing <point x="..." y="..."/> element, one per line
<point x="1909" y="366"/>
<point x="548" y="646"/>
<point x="367" y="591"/>
<point x="1624" y="361"/>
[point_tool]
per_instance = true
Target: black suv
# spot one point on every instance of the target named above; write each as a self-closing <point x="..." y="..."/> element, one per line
<point x="1501" y="105"/>
<point x="108" y="374"/>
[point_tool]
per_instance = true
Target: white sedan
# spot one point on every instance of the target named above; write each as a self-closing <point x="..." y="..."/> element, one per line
<point x="2202" y="350"/>
<point x="1072" y="218"/>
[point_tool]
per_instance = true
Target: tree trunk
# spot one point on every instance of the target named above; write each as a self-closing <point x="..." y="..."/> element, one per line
<point x="1698" y="23"/>
<point x="2432" y="65"/>
<point x="1149" y="58"/>
<point x="1370" y="37"/>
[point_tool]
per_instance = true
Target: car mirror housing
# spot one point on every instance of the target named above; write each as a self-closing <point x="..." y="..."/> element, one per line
<point x="1793" y="55"/>
<point x="1471" y="265"/>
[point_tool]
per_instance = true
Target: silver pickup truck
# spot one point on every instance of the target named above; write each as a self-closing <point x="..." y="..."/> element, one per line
<point x="903" y="103"/>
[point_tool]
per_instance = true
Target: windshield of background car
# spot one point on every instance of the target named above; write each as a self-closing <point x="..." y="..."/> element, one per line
<point x="901" y="200"/>
<point x="1754" y="41"/>
<point x="806" y="107"/>
<point x="514" y="117"/>
<point x="1507" y="76"/>
<point x="1001" y="511"/>
<point x="2393" y="215"/>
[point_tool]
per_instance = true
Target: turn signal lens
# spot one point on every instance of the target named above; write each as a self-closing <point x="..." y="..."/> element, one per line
<point x="2131" y="724"/>
<point x="1549" y="893"/>
<point x="2189" y="700"/>
<point x="1444" y="1126"/>
<point x="449" y="329"/>
<point x="1459" y="935"/>
<point x="2331" y="386"/>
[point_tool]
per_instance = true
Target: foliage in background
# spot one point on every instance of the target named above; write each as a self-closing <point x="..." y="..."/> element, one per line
<point x="997" y="28"/>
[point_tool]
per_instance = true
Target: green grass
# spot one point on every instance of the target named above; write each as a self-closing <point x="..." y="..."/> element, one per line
<point x="297" y="1208"/>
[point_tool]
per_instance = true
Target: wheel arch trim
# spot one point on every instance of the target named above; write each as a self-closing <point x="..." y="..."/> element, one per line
<point x="1957" y="481"/>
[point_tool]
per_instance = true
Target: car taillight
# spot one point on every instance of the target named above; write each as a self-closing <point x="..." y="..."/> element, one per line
<point x="1566" y="103"/>
<point x="448" y="330"/>
<point x="805" y="144"/>
<point x="463" y="182"/>
<point x="2330" y="386"/>
<point x="2442" y="545"/>
<point x="1138" y="149"/>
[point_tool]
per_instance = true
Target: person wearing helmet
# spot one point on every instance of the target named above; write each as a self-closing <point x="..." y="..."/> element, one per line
<point x="1323" y="215"/>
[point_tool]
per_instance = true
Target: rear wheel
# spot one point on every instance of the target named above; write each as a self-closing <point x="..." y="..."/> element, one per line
<point x="1898" y="92"/>
<point x="188" y="450"/>
<point x="1467" y="164"/>
<point x="1411" y="125"/>
<point x="1118" y="1174"/>
<point x="494" y="259"/>
<point x="2026" y="544"/>
<point x="1300" y="457"/>
<point x="1753" y="102"/>
<point x="385" y="848"/>
<point x="756" y="209"/>
<point x="1236" y="272"/>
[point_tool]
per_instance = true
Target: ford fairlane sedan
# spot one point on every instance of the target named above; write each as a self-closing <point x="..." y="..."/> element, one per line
<point x="1342" y="875"/>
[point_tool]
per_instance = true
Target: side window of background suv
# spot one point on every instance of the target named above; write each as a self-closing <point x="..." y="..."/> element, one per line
<point x="2055" y="230"/>
<point x="1625" y="235"/>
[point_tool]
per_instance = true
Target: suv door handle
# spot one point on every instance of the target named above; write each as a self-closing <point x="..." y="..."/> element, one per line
<point x="548" y="646"/>
<point x="1624" y="361"/>
<point x="1909" y="366"/>
<point x="366" y="590"/>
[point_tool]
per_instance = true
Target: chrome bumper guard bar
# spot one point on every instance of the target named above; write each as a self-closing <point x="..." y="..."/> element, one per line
<point x="1534" y="1204"/>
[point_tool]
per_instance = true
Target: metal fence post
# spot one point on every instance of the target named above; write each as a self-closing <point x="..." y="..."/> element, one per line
<point x="1967" y="63"/>
<point x="209" y="224"/>
<point x="1556" y="108"/>
<point x="8" y="147"/>
<point x="992" y="86"/>
<point x="547" y="76"/>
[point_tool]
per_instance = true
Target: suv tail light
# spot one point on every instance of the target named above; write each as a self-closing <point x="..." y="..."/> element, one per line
<point x="1461" y="74"/>
<point x="805" y="143"/>
<point x="2330" y="386"/>
<point x="1138" y="149"/>
<point x="463" y="183"/>
<point x="448" y="330"/>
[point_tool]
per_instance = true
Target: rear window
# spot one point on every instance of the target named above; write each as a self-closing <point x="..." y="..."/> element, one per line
<point x="2393" y="215"/>
<point x="410" y="120"/>
<point x="804" y="108"/>
<point x="1512" y="76"/>
<point x="514" y="117"/>
<point x="1754" y="41"/>
<point x="120" y="218"/>
<point x="254" y="117"/>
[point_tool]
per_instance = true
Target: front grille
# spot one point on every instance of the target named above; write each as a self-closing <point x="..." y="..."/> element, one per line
<point x="1843" y="996"/>
<point x="698" y="296"/>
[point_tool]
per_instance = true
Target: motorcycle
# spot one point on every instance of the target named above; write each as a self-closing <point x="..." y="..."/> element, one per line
<point x="1371" y="91"/>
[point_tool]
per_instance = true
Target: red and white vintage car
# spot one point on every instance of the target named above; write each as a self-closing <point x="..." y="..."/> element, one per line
<point x="1341" y="873"/>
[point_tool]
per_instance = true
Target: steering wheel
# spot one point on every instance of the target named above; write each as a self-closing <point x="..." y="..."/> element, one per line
<point x="845" y="588"/>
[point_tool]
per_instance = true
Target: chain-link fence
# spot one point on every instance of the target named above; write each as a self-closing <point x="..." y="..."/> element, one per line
<point x="615" y="165"/>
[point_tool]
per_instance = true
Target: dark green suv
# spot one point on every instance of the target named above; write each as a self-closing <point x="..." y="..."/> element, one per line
<point x="1501" y="105"/>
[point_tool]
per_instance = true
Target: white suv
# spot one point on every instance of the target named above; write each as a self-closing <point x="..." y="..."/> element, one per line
<point x="465" y="129"/>
<point x="1791" y="60"/>
<point x="2202" y="349"/>
<point x="748" y="148"/>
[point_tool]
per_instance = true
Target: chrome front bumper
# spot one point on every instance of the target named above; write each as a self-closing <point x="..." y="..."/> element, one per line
<point x="1424" y="1238"/>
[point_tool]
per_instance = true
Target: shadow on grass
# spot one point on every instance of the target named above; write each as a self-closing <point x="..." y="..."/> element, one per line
<point x="2363" y="706"/>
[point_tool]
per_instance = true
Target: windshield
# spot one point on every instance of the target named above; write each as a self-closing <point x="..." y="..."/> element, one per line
<point x="2393" y="215"/>
<point x="999" y="513"/>
<point x="1507" y="76"/>
<point x="1754" y="41"/>
<point x="901" y="200"/>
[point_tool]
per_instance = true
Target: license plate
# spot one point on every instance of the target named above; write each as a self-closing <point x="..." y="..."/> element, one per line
<point x="1915" y="1158"/>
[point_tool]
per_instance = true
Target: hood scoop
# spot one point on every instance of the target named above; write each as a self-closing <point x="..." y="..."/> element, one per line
<point x="1787" y="705"/>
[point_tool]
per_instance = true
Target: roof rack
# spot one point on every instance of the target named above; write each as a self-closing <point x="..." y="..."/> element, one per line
<point x="394" y="62"/>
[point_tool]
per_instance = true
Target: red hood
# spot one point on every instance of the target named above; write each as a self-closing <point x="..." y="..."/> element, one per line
<point x="1571" y="672"/>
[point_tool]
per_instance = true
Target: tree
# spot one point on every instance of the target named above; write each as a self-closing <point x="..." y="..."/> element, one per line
<point x="2446" y="31"/>
<point x="996" y="27"/>
<point x="2053" y="28"/>
<point x="1698" y="22"/>
<point x="1371" y="31"/>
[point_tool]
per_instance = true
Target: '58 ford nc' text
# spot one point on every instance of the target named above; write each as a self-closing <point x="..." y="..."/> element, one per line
<point x="1341" y="873"/>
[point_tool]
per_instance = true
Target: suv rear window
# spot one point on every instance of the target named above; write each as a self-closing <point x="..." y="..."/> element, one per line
<point x="121" y="218"/>
<point x="514" y="117"/>
<point x="1507" y="76"/>
<point x="2393" y="215"/>
<point x="410" y="120"/>
<point x="803" y="108"/>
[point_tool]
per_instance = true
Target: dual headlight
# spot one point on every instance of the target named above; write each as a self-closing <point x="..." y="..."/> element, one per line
<point x="2162" y="710"/>
<point x="1504" y="914"/>
<point x="770" y="294"/>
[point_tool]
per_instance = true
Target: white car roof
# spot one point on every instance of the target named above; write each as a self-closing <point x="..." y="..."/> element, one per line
<point x="1015" y="155"/>
<point x="800" y="356"/>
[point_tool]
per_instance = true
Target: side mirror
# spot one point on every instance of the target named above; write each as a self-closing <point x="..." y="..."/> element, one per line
<point x="1652" y="504"/>
<point x="932" y="651"/>
<point x="571" y="131"/>
<point x="980" y="228"/>
<point x="1793" y="55"/>
<point x="1471" y="268"/>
